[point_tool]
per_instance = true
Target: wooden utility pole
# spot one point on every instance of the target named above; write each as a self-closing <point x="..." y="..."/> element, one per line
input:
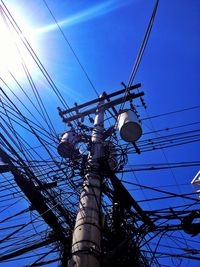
<point x="86" y="243"/>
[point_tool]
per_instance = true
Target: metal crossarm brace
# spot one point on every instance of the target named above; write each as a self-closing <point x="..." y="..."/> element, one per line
<point x="103" y="97"/>
<point x="105" y="106"/>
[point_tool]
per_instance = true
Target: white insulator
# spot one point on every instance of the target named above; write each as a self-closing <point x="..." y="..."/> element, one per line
<point x="129" y="126"/>
<point x="67" y="146"/>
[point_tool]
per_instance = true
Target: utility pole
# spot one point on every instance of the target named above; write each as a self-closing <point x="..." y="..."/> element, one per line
<point x="87" y="250"/>
<point x="86" y="242"/>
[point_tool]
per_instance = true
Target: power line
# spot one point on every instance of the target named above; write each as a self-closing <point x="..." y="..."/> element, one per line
<point x="71" y="48"/>
<point x="170" y="113"/>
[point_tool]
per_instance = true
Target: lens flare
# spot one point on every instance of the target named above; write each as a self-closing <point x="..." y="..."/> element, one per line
<point x="14" y="56"/>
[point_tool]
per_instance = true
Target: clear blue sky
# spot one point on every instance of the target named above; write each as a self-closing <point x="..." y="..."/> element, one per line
<point x="106" y="36"/>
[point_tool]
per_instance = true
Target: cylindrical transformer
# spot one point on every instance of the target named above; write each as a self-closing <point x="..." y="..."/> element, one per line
<point x="67" y="146"/>
<point x="129" y="126"/>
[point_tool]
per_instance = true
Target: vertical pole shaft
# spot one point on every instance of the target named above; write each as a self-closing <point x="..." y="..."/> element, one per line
<point x="86" y="243"/>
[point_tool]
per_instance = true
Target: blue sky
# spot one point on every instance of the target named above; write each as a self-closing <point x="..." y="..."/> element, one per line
<point x="106" y="36"/>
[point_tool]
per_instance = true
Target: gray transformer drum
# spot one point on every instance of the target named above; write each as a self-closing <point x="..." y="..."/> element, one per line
<point x="129" y="126"/>
<point x="67" y="146"/>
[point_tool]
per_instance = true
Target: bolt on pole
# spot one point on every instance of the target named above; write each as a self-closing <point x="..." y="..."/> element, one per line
<point x="86" y="242"/>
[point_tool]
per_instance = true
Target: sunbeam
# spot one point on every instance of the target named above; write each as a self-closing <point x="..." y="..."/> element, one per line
<point x="85" y="15"/>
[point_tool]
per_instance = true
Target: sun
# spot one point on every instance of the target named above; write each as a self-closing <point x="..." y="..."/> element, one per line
<point x="14" y="55"/>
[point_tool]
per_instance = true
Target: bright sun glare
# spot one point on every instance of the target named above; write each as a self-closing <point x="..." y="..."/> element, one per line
<point x="13" y="53"/>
